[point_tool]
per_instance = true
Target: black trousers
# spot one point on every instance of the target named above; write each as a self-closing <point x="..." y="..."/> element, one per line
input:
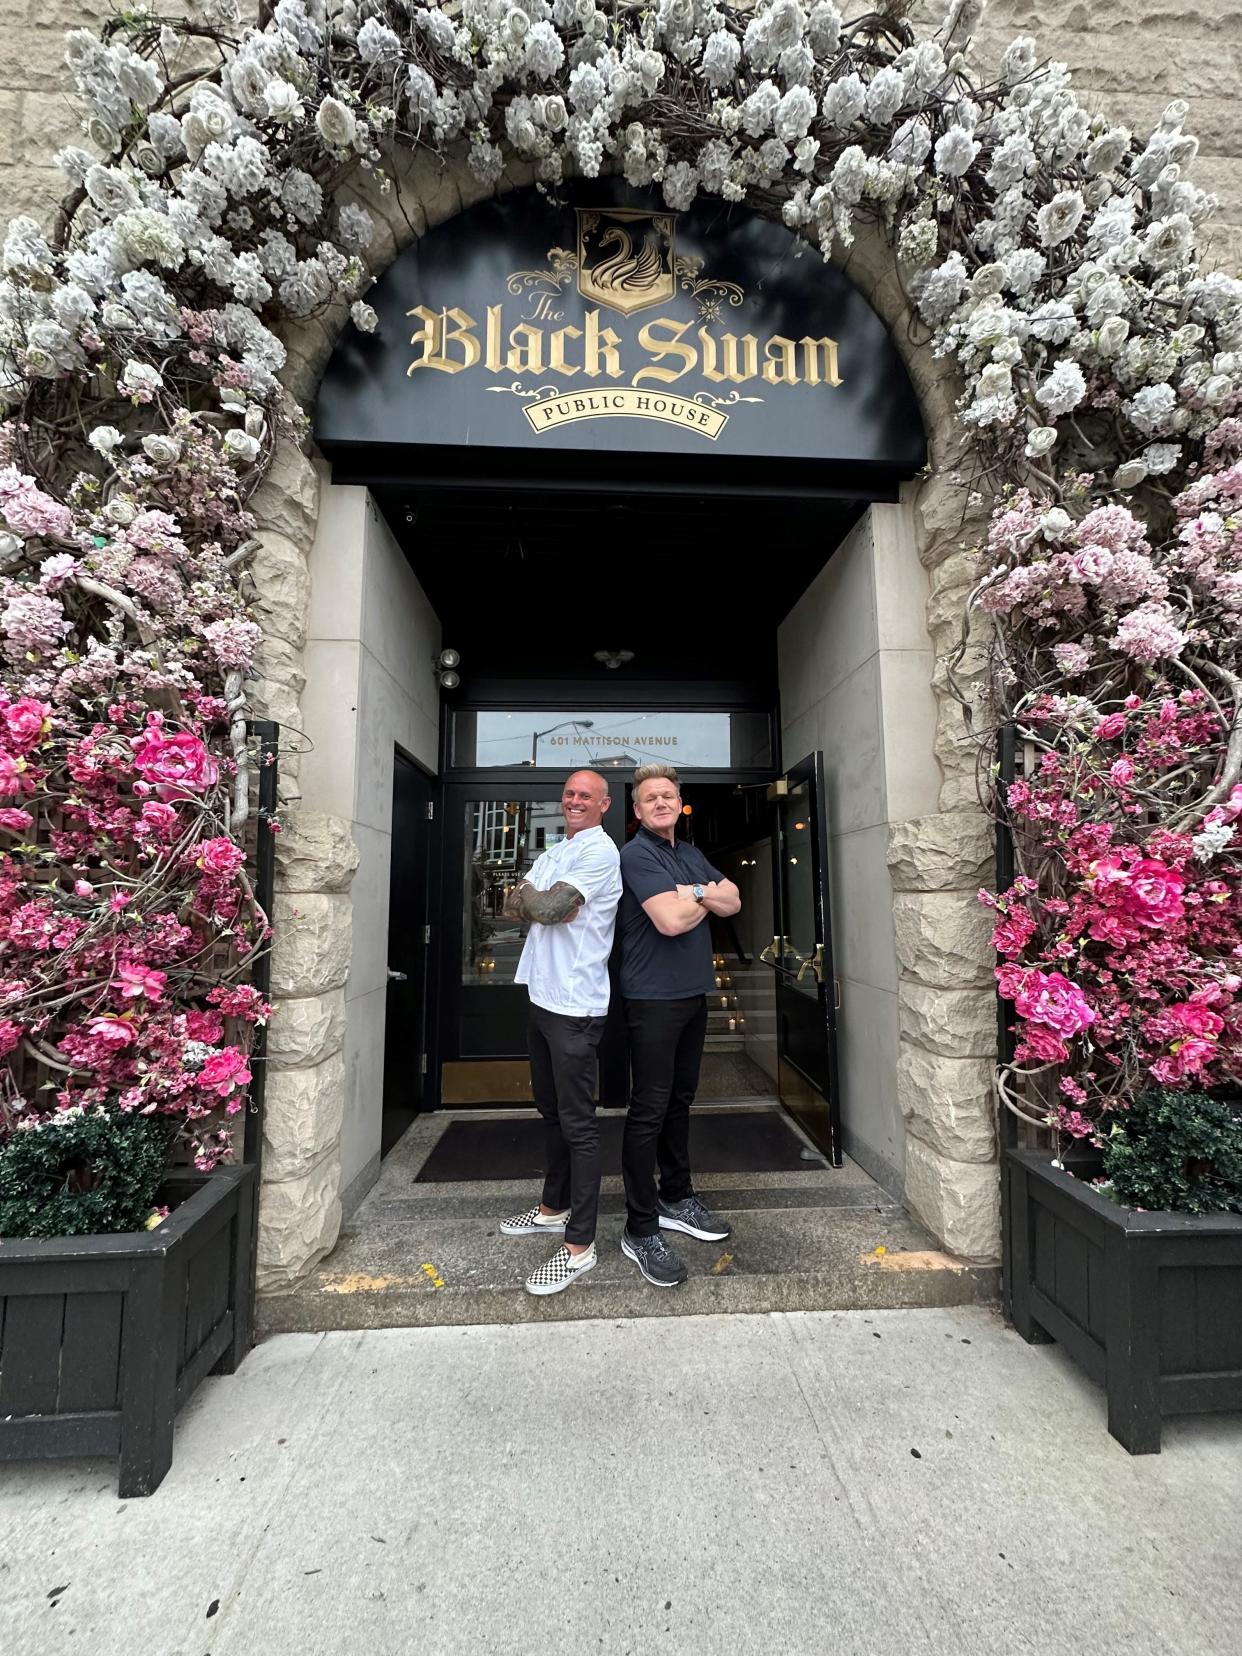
<point x="562" y="1073"/>
<point x="666" y="1050"/>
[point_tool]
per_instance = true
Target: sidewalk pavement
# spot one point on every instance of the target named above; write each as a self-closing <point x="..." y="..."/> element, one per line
<point x="870" y="1483"/>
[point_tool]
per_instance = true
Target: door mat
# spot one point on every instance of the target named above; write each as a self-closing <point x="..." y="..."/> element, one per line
<point x="734" y="1141"/>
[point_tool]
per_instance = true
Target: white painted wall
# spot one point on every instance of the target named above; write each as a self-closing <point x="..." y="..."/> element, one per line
<point x="370" y="687"/>
<point x="855" y="676"/>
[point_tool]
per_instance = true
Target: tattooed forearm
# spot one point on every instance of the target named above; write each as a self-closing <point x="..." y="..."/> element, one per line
<point x="543" y="908"/>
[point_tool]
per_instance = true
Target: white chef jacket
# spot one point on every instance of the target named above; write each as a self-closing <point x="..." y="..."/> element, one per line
<point x="565" y="967"/>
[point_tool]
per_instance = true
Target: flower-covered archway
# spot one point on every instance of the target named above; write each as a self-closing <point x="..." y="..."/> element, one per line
<point x="241" y="190"/>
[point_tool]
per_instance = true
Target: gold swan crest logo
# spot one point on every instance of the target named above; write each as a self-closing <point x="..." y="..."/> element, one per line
<point x="625" y="257"/>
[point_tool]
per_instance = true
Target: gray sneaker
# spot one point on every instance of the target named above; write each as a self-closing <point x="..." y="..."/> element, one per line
<point x="661" y="1266"/>
<point x="694" y="1218"/>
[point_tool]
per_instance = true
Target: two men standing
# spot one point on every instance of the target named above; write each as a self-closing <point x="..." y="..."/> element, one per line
<point x="570" y="898"/>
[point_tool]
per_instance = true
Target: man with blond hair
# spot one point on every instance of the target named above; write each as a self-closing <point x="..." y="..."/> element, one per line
<point x="670" y="888"/>
<point x="569" y="900"/>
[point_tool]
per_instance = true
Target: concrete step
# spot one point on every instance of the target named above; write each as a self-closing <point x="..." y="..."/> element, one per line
<point x="441" y="1260"/>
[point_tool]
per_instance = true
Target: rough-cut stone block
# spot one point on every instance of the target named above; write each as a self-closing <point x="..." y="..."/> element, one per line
<point x="287" y="500"/>
<point x="282" y="585"/>
<point x="959" y="1023"/>
<point x="946" y="523"/>
<point x="299" y="1220"/>
<point x="943" y="938"/>
<point x="311" y="950"/>
<point x="272" y="700"/>
<point x="960" y="789"/>
<point x="281" y="663"/>
<point x="315" y="852"/>
<point x="947" y="1102"/>
<point x="302" y="1111"/>
<point x="952" y="852"/>
<point x="306" y="1031"/>
<point x="959" y="1202"/>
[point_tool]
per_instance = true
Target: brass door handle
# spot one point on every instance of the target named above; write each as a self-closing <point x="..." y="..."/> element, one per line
<point x="768" y="955"/>
<point x="813" y="963"/>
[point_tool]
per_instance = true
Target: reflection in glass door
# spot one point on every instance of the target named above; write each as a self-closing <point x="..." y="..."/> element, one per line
<point x="801" y="954"/>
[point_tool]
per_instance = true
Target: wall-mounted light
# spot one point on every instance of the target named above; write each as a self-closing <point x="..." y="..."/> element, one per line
<point x="446" y="664"/>
<point x="614" y="658"/>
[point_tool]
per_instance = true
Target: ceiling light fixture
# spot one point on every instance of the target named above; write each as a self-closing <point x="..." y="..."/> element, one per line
<point x="613" y="659"/>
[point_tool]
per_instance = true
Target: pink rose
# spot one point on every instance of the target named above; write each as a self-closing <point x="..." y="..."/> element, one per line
<point x="160" y="819"/>
<point x="1050" y="998"/>
<point x="10" y="1036"/>
<point x="18" y="821"/>
<point x="1110" y="727"/>
<point x="114" y="1033"/>
<point x="1041" y="1044"/>
<point x="220" y="856"/>
<point x="1155" y="892"/>
<point x="25" y="722"/>
<point x="207" y="1027"/>
<point x="174" y="765"/>
<point x="224" y="1072"/>
<point x="1195" y="1019"/>
<point x="13" y="780"/>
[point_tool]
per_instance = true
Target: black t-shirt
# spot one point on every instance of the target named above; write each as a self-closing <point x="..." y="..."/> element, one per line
<point x="655" y="967"/>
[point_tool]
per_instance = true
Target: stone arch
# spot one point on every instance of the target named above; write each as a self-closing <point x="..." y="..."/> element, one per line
<point x="936" y="863"/>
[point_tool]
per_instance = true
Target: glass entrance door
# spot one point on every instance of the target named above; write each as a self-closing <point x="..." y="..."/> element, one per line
<point x="492" y="838"/>
<point x="801" y="956"/>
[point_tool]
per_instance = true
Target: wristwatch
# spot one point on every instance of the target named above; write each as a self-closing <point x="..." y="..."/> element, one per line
<point x="696" y="891"/>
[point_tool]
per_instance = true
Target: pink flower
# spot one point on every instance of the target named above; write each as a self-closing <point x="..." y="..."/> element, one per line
<point x="13" y="779"/>
<point x="220" y="856"/>
<point x="1013" y="933"/>
<point x="175" y="765"/>
<point x="1050" y="998"/>
<point x="116" y="1034"/>
<point x="1121" y="772"/>
<point x="1149" y="633"/>
<point x="161" y="819"/>
<point x="1155" y="892"/>
<point x="28" y="510"/>
<point x="18" y="821"/>
<point x="224" y="1072"/>
<point x="1195" y="1019"/>
<point x="137" y="982"/>
<point x="10" y="1036"/>
<point x="1041" y="1044"/>
<point x="25" y="722"/>
<point x="207" y="1027"/>
<point x="1110" y="727"/>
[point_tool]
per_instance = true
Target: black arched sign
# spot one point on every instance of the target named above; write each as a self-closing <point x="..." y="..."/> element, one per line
<point x="609" y="335"/>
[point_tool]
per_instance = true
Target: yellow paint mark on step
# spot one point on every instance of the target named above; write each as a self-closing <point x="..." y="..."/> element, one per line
<point x="929" y="1259"/>
<point x="722" y="1264"/>
<point x="359" y="1282"/>
<point x="433" y="1276"/>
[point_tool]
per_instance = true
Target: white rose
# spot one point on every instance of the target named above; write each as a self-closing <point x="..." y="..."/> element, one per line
<point x="120" y="510"/>
<point x="1040" y="441"/>
<point x="240" y="445"/>
<point x="1129" y="475"/>
<point x="336" y="124"/>
<point x="283" y="101"/>
<point x="105" y="438"/>
<point x="163" y="450"/>
<point x="363" y="317"/>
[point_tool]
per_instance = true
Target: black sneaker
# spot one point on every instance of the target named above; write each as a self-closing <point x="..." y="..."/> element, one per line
<point x="692" y="1217"/>
<point x="655" y="1259"/>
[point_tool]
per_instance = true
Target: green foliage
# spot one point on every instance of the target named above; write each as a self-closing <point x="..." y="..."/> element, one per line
<point x="1176" y="1153"/>
<point x="81" y="1173"/>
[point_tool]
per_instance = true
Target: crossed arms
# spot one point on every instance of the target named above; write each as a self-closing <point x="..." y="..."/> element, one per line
<point x="553" y="907"/>
<point x="675" y="912"/>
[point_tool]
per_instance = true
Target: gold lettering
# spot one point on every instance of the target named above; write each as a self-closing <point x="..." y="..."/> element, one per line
<point x="780" y="361"/>
<point x="495" y="356"/>
<point x="600" y="351"/>
<point x="556" y="355"/>
<point x="811" y="349"/>
<point x="729" y="345"/>
<point x="525" y="350"/>
<point x="435" y="336"/>
<point x="660" y="348"/>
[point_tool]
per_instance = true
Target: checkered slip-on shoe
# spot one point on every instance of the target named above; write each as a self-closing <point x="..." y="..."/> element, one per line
<point x="534" y="1223"/>
<point x="560" y="1271"/>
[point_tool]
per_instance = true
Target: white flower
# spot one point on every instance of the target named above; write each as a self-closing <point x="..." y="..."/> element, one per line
<point x="241" y="446"/>
<point x="1058" y="220"/>
<point x="806" y="152"/>
<point x="1168" y="242"/>
<point x="139" y="379"/>
<point x="146" y="234"/>
<point x="910" y="144"/>
<point x="823" y="28"/>
<point x="284" y="102"/>
<point x="1023" y="269"/>
<point x="110" y="190"/>
<point x="336" y="124"/>
<point x="586" y="88"/>
<point x="105" y="438"/>
<point x="1018" y="63"/>
<point x="759" y="109"/>
<point x="162" y="449"/>
<point x="544" y="50"/>
<point x="1053" y="321"/>
<point x="1208" y="842"/>
<point x="376" y="43"/>
<point x="1161" y="457"/>
<point x="885" y="96"/>
<point x="1113" y="333"/>
<point x="1064" y="388"/>
<point x="843" y="101"/>
<point x="1130" y="474"/>
<point x="1107" y="151"/>
<point x="680" y="185"/>
<point x="363" y="317"/>
<point x="955" y="152"/>
<point x="794" y="114"/>
<point x="355" y="227"/>
<point x="1151" y="408"/>
<point x="1012" y="160"/>
<point x="1040" y="440"/>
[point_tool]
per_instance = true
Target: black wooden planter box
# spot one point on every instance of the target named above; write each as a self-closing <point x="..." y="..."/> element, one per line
<point x="103" y="1338"/>
<point x="1149" y="1304"/>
